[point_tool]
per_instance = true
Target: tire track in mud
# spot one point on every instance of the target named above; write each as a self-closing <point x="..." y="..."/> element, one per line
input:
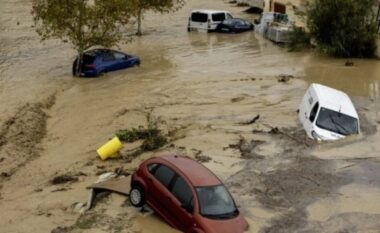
<point x="20" y="137"/>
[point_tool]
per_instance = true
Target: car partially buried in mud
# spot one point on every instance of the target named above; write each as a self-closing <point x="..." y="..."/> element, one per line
<point x="187" y="195"/>
<point x="328" y="114"/>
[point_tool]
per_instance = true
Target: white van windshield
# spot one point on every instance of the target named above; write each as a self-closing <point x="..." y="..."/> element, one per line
<point x="337" y="122"/>
<point x="218" y="17"/>
<point x="199" y="17"/>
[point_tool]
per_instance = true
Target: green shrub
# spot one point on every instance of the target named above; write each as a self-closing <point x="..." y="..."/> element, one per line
<point x="298" y="39"/>
<point x="344" y="28"/>
<point x="152" y="135"/>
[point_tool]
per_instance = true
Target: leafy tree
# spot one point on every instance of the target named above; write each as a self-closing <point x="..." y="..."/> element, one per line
<point x="162" y="6"/>
<point x="83" y="23"/>
<point x="344" y="28"/>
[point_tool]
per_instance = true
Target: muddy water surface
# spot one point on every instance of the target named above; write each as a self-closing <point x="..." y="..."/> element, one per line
<point x="200" y="86"/>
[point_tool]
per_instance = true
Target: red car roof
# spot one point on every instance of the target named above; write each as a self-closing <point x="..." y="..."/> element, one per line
<point x="198" y="174"/>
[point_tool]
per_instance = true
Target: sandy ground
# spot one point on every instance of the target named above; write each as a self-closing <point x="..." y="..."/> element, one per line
<point x="200" y="87"/>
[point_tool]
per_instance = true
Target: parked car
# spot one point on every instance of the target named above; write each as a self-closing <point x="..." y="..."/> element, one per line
<point x="100" y="61"/>
<point x="187" y="195"/>
<point x="235" y="26"/>
<point x="328" y="114"/>
<point x="206" y="20"/>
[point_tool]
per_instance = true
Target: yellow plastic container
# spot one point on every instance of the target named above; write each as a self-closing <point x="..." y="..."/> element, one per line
<point x="110" y="149"/>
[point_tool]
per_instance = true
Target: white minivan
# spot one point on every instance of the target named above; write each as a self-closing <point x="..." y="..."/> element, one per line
<point x="328" y="114"/>
<point x="207" y="20"/>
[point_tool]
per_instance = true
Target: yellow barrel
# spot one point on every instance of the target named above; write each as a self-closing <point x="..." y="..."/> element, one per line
<point x="110" y="149"/>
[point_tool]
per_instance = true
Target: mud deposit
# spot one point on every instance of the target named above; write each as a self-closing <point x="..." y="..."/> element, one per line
<point x="228" y="101"/>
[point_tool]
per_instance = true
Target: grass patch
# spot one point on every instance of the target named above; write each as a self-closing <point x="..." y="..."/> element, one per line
<point x="152" y="135"/>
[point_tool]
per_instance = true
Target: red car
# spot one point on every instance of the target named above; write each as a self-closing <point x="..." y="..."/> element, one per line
<point x="187" y="195"/>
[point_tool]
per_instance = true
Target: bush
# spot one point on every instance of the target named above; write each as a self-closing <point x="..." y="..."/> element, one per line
<point x="152" y="135"/>
<point x="298" y="39"/>
<point x="344" y="28"/>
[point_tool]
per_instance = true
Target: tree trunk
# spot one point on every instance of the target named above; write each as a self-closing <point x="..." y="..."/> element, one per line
<point x="139" y="21"/>
<point x="78" y="68"/>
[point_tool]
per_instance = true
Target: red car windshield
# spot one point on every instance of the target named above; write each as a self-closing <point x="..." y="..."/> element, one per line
<point x="216" y="202"/>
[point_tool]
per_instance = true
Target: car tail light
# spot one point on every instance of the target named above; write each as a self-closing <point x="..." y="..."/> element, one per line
<point x="90" y="66"/>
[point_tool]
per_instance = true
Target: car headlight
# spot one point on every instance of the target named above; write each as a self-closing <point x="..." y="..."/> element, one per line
<point x="315" y="136"/>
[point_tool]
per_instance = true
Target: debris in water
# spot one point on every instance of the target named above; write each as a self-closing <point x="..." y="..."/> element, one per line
<point x="349" y="63"/>
<point x="251" y="121"/>
<point x="61" y="230"/>
<point x="237" y="99"/>
<point x="63" y="179"/>
<point x="59" y="190"/>
<point x="202" y="158"/>
<point x="283" y="78"/>
<point x="6" y="174"/>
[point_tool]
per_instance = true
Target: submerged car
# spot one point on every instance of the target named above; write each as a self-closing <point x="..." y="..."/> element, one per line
<point x="187" y="195"/>
<point x="328" y="114"/>
<point x="235" y="26"/>
<point x="99" y="61"/>
<point x="206" y="20"/>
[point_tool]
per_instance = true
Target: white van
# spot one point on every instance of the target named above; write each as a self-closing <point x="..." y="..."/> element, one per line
<point x="207" y="20"/>
<point x="328" y="114"/>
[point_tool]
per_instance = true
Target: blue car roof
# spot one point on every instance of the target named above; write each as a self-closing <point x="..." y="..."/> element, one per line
<point x="95" y="52"/>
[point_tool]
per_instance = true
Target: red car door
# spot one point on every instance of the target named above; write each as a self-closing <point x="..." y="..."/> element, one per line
<point x="158" y="183"/>
<point x="181" y="204"/>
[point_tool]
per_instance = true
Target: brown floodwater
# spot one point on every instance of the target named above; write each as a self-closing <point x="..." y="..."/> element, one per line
<point x="200" y="84"/>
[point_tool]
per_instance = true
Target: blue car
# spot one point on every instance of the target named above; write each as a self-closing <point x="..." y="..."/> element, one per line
<point x="99" y="61"/>
<point x="235" y="26"/>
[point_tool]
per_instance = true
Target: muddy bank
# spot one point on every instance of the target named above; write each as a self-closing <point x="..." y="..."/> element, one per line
<point x="21" y="137"/>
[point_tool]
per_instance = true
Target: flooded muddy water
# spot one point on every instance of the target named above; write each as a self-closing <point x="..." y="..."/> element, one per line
<point x="201" y="87"/>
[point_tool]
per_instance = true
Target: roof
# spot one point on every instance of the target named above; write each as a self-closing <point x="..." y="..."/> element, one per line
<point x="334" y="99"/>
<point x="197" y="174"/>
<point x="208" y="11"/>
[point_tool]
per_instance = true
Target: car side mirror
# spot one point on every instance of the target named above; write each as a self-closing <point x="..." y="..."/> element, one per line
<point x="188" y="208"/>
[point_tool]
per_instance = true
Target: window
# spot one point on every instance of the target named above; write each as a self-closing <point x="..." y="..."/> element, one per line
<point x="218" y="17"/>
<point x="152" y="167"/>
<point x="119" y="56"/>
<point x="164" y="175"/>
<point x="182" y="191"/>
<point x="314" y="112"/>
<point x="337" y="122"/>
<point x="108" y="57"/>
<point x="199" y="17"/>
<point x="229" y="16"/>
<point x="216" y="202"/>
<point x="88" y="59"/>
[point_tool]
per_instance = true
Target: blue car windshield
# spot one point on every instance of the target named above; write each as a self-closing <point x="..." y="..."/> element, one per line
<point x="216" y="202"/>
<point x="337" y="122"/>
